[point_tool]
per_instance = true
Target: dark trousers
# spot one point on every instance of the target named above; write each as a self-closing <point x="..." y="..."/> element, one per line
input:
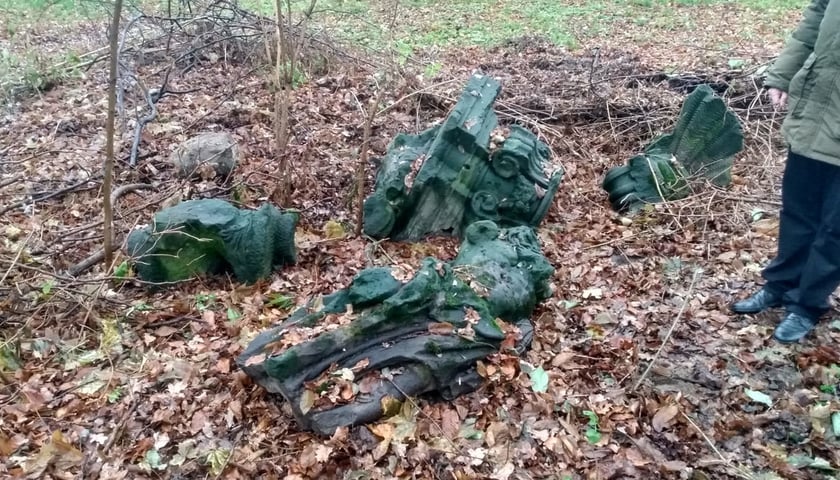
<point x="806" y="270"/>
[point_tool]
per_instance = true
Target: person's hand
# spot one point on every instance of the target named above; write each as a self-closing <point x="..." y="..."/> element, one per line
<point x="778" y="98"/>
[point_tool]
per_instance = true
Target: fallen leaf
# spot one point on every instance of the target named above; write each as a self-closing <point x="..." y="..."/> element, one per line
<point x="333" y="230"/>
<point x="390" y="406"/>
<point x="674" y="466"/>
<point x="322" y="453"/>
<point x="381" y="449"/>
<point x="758" y="397"/>
<point x="508" y="367"/>
<point x="360" y="365"/>
<point x="594" y="293"/>
<point x="450" y="423"/>
<point x="199" y="420"/>
<point x="344" y="374"/>
<point x="477" y="455"/>
<point x="539" y="380"/>
<point x="767" y="226"/>
<point x="382" y="430"/>
<point x="835" y="423"/>
<point x="503" y="473"/>
<point x="217" y="459"/>
<point x="165" y="331"/>
<point x="57" y="452"/>
<point x="441" y="328"/>
<point x="727" y="257"/>
<point x="662" y="418"/>
<point x="223" y="365"/>
<point x="255" y="360"/>
<point x="9" y="445"/>
<point x="307" y="400"/>
<point x="634" y="456"/>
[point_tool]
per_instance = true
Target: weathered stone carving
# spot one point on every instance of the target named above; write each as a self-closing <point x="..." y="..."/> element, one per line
<point x="212" y="236"/>
<point x="466" y="169"/>
<point x="207" y="155"/>
<point x="339" y="366"/>
<point x="702" y="144"/>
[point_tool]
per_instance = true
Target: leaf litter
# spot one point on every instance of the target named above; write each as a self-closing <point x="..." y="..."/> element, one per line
<point x="116" y="382"/>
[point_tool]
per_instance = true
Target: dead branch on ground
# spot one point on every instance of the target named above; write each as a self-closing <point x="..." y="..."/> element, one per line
<point x="41" y="196"/>
<point x="100" y="255"/>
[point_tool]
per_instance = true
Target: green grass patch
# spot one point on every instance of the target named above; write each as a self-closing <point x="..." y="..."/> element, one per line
<point x="17" y="12"/>
<point x="26" y="66"/>
<point x="434" y="24"/>
<point x="32" y="72"/>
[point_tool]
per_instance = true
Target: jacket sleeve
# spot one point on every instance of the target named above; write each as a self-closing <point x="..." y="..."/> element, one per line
<point x="798" y="47"/>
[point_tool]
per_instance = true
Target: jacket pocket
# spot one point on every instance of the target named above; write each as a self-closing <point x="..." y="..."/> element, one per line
<point x="801" y="86"/>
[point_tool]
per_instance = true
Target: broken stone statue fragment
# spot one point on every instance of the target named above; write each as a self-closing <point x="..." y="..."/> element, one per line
<point x="466" y="169"/>
<point x="212" y="236"/>
<point x="209" y="155"/>
<point x="341" y="359"/>
<point x="701" y="145"/>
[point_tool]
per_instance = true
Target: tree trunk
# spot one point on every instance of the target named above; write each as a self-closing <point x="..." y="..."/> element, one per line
<point x="363" y="161"/>
<point x="282" y="101"/>
<point x="107" y="207"/>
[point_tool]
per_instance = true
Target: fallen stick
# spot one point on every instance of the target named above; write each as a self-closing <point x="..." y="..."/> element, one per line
<point x="99" y="255"/>
<point x="17" y="257"/>
<point x="670" y="330"/>
<point x="90" y="261"/>
<point x="142" y="121"/>
<point x="118" y="430"/>
<point x="54" y="194"/>
<point x="10" y="181"/>
<point x="747" y="475"/>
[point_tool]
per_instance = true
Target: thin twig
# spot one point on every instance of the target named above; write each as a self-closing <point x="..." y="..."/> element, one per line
<point x="670" y="330"/>
<point x="661" y="194"/>
<point x="17" y="256"/>
<point x="743" y="198"/>
<point x="11" y="180"/>
<point x="414" y="404"/>
<point x="99" y="255"/>
<point x="54" y="194"/>
<point x="115" y="435"/>
<point x="363" y="159"/>
<point x="160" y="198"/>
<point x="230" y="455"/>
<point x="94" y="280"/>
<point x="741" y="472"/>
<point x="420" y="91"/>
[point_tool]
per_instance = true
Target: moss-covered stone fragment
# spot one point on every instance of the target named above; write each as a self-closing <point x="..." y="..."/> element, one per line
<point x="421" y="336"/>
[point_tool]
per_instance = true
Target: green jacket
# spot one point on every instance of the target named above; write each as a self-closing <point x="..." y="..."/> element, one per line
<point x="809" y="70"/>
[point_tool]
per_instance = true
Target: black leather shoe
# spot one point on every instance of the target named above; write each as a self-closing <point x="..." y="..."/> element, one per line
<point x="794" y="327"/>
<point x="758" y="302"/>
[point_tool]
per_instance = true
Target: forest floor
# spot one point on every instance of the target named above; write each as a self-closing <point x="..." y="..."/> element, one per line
<point x="102" y="378"/>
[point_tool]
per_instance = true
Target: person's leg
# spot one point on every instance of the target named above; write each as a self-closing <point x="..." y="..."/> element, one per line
<point x="803" y="185"/>
<point x="798" y="224"/>
<point x="820" y="275"/>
